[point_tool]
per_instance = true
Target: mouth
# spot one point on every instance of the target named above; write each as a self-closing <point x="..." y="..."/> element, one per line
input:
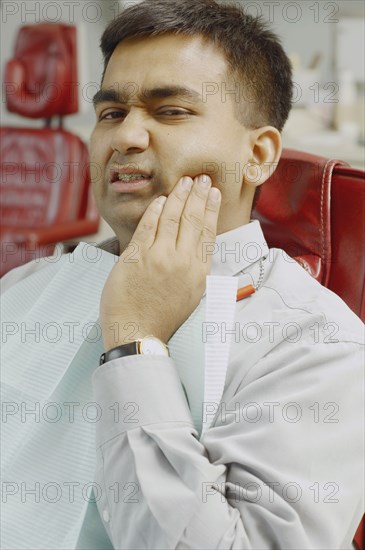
<point x="129" y="179"/>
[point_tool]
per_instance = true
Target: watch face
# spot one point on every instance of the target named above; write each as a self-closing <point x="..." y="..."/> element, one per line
<point x="153" y="346"/>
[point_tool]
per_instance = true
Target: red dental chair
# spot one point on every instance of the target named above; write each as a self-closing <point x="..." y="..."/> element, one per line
<point x="45" y="173"/>
<point x="314" y="209"/>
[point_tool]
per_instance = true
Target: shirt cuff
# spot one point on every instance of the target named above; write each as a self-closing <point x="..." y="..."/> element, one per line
<point x="136" y="391"/>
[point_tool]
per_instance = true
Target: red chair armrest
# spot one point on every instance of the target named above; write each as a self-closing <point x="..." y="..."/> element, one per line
<point x="62" y="232"/>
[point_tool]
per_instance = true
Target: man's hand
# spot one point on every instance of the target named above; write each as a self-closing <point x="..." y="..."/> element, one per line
<point x="159" y="291"/>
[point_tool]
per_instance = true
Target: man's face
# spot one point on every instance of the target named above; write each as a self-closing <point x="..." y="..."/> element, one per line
<point x="165" y="125"/>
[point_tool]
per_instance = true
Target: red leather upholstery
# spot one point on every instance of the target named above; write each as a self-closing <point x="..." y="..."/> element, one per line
<point x="45" y="174"/>
<point x="45" y="193"/>
<point x="41" y="79"/>
<point x="314" y="209"/>
<point x="347" y="276"/>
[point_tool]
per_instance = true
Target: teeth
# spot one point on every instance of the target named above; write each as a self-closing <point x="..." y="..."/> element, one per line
<point x="131" y="177"/>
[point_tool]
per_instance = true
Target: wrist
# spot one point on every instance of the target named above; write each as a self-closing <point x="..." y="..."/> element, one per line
<point x="115" y="342"/>
<point x="149" y="345"/>
<point x="117" y="332"/>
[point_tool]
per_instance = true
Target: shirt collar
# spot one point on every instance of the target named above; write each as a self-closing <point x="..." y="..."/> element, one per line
<point x="232" y="252"/>
<point x="237" y="249"/>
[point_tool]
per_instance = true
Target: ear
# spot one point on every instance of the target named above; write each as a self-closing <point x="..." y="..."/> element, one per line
<point x="266" y="150"/>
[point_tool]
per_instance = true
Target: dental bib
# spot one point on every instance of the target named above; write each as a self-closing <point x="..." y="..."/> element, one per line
<point x="48" y="434"/>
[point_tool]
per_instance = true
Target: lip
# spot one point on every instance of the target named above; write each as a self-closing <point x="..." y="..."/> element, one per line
<point x="130" y="186"/>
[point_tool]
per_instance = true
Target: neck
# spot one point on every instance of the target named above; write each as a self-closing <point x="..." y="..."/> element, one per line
<point x="124" y="236"/>
<point x="230" y="217"/>
<point x="234" y="220"/>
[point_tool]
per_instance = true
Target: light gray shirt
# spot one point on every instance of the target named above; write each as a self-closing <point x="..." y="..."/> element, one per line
<point x="281" y="465"/>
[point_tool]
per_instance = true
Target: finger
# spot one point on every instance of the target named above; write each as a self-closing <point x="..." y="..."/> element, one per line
<point x="192" y="219"/>
<point x="209" y="233"/>
<point x="145" y="233"/>
<point x="168" y="226"/>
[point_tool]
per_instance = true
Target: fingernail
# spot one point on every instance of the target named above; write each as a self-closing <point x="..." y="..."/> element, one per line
<point x="204" y="181"/>
<point x="214" y="194"/>
<point x="186" y="183"/>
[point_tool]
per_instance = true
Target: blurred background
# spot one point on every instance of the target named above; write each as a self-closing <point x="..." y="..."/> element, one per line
<point x="325" y="42"/>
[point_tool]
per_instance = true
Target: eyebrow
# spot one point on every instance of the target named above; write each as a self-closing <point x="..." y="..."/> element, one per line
<point x="161" y="92"/>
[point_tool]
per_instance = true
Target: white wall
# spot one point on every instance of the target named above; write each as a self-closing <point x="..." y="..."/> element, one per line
<point x="307" y="27"/>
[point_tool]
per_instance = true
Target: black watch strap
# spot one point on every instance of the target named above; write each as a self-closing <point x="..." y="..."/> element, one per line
<point x="120" y="351"/>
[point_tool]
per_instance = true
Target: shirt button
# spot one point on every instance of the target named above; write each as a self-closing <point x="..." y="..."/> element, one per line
<point x="106" y="517"/>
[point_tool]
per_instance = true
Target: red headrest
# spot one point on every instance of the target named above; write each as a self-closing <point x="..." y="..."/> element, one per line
<point x="294" y="210"/>
<point x="41" y="80"/>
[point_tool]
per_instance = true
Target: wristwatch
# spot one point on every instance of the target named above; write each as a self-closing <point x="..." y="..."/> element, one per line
<point x="149" y="345"/>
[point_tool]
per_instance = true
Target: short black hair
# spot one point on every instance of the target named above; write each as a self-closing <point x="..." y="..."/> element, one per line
<point x="254" y="54"/>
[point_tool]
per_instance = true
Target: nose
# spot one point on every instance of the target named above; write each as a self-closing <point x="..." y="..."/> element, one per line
<point x="131" y="135"/>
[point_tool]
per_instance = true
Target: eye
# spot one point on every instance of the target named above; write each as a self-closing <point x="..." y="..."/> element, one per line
<point x="111" y="115"/>
<point x="173" y="111"/>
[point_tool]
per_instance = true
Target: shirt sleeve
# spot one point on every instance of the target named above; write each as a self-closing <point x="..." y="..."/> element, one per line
<point x="280" y="467"/>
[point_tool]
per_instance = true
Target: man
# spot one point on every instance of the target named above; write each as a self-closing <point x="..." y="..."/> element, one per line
<point x="215" y="441"/>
